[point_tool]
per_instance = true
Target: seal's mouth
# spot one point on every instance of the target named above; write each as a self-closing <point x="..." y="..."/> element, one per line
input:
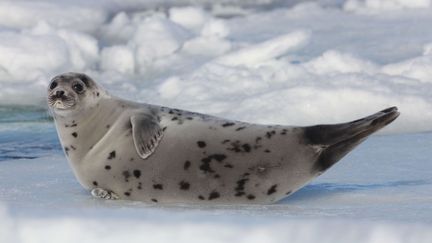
<point x="61" y="102"/>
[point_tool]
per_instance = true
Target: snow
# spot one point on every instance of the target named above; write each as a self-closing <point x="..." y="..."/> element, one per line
<point x="264" y="51"/>
<point x="314" y="58"/>
<point x="25" y="14"/>
<point x="118" y="59"/>
<point x="192" y="18"/>
<point x="264" y="61"/>
<point x="385" y="5"/>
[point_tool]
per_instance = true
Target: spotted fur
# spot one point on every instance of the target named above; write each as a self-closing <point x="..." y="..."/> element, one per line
<point x="192" y="157"/>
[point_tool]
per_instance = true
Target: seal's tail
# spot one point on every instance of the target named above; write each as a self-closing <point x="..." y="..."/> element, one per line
<point x="339" y="139"/>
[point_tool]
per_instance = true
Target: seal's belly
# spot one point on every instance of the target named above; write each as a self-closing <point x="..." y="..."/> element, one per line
<point x="200" y="161"/>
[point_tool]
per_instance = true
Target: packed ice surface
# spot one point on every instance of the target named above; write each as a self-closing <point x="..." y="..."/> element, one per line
<point x="381" y="192"/>
<point x="264" y="61"/>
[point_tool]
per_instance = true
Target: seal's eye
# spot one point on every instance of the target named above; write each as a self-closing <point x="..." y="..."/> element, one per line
<point x="78" y="87"/>
<point x="53" y="85"/>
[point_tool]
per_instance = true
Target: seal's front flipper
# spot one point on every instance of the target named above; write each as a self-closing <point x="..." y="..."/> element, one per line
<point x="146" y="134"/>
<point x="339" y="139"/>
<point x="104" y="194"/>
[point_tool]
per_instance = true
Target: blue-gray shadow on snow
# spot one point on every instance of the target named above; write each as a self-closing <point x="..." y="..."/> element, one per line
<point x="315" y="191"/>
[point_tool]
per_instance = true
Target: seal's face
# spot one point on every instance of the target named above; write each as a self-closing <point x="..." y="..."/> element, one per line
<point x="71" y="92"/>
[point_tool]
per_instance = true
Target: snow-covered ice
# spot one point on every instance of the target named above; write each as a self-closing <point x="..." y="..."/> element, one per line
<point x="266" y="61"/>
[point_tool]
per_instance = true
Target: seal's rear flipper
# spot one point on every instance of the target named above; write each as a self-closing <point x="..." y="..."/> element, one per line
<point x="339" y="139"/>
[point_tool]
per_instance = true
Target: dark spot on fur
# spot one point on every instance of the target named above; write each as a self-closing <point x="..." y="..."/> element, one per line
<point x="107" y="167"/>
<point x="186" y="165"/>
<point x="239" y="148"/>
<point x="218" y="157"/>
<point x="216" y="176"/>
<point x="184" y="185"/>
<point x="201" y="144"/>
<point x="213" y="195"/>
<point x="272" y="189"/>
<point x="205" y="166"/>
<point x="225" y="141"/>
<point x="154" y="200"/>
<point x="240" y="187"/>
<point x="72" y="147"/>
<point x="246" y="147"/>
<point x="126" y="175"/>
<point x="97" y="94"/>
<point x="235" y="146"/>
<point x="229" y="166"/>
<point x="137" y="173"/>
<point x="288" y="193"/>
<point x="200" y="197"/>
<point x="174" y="118"/>
<point x="71" y="125"/>
<point x="228" y="124"/>
<point x="75" y="134"/>
<point x="127" y="194"/>
<point x="131" y="159"/>
<point x="267" y="151"/>
<point x="108" y="126"/>
<point x="164" y="128"/>
<point x="112" y="155"/>
<point x="284" y="131"/>
<point x="270" y="134"/>
<point x="240" y="184"/>
<point x="95" y="183"/>
<point x="171" y="112"/>
<point x="250" y="197"/>
<point x="139" y="187"/>
<point x="158" y="186"/>
<point x="66" y="150"/>
<point x="240" y="128"/>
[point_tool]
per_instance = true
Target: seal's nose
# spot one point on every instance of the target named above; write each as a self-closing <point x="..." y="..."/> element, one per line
<point x="59" y="93"/>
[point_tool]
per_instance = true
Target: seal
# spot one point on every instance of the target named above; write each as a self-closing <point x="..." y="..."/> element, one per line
<point x="120" y="149"/>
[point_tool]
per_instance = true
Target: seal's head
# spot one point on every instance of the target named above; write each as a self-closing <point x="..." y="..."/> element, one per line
<point x="70" y="93"/>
